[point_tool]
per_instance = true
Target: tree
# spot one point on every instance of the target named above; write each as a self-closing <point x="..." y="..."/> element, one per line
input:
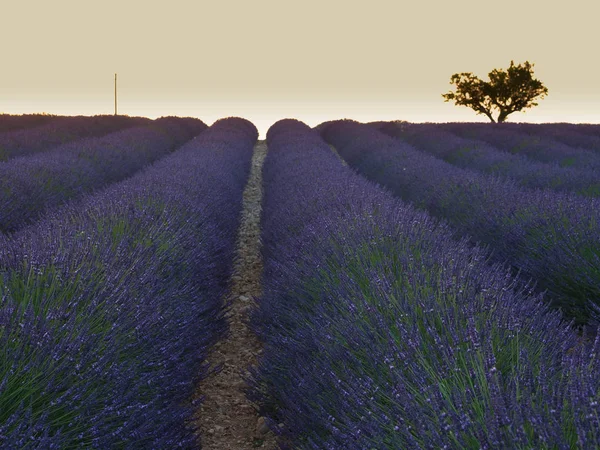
<point x="508" y="91"/>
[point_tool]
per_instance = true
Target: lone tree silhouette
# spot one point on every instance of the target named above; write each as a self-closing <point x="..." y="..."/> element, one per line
<point x="508" y="90"/>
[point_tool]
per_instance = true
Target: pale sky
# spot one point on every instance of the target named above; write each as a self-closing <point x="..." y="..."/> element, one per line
<point x="312" y="60"/>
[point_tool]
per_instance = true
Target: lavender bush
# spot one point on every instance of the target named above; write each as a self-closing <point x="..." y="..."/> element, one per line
<point x="478" y="155"/>
<point x="536" y="147"/>
<point x="109" y="304"/>
<point x="549" y="236"/>
<point x="587" y="128"/>
<point x="59" y="131"/>
<point x="382" y="331"/>
<point x="32" y="184"/>
<point x="11" y="122"/>
<point x="574" y="135"/>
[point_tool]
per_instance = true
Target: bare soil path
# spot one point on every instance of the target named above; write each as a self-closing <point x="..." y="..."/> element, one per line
<point x="228" y="420"/>
<point x="335" y="152"/>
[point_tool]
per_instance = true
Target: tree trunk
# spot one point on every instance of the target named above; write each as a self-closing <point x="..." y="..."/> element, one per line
<point x="502" y="116"/>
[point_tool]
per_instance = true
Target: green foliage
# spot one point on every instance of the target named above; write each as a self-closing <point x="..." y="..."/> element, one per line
<point x="507" y="91"/>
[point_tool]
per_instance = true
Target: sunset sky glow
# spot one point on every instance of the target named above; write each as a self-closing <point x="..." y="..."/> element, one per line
<point x="312" y="60"/>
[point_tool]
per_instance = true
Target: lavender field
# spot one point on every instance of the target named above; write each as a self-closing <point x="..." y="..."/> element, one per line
<point x="424" y="286"/>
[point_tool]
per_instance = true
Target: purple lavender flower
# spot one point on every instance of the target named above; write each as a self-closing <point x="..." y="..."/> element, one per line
<point x="22" y="138"/>
<point x="110" y="303"/>
<point x="549" y="236"/>
<point x="32" y="184"/>
<point x="481" y="156"/>
<point x="540" y="147"/>
<point x="383" y="331"/>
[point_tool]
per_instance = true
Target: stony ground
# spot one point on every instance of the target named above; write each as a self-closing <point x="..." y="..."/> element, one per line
<point x="227" y="419"/>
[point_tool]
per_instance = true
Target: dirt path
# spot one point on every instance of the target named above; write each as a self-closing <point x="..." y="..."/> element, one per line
<point x="335" y="152"/>
<point x="227" y="419"/>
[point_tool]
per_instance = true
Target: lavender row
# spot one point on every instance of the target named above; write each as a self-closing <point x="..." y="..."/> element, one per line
<point x="11" y="122"/>
<point x="110" y="304"/>
<point x="549" y="236"/>
<point x="478" y="155"/>
<point x="33" y="184"/>
<point x="575" y="135"/>
<point x="535" y="147"/>
<point x="60" y="131"/>
<point x="381" y="331"/>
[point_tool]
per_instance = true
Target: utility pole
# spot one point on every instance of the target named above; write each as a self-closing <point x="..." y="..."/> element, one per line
<point x="115" y="94"/>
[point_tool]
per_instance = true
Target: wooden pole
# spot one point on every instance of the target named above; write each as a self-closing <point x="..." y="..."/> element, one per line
<point x="115" y="94"/>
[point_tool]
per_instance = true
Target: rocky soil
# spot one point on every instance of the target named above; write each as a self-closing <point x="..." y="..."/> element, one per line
<point x="227" y="418"/>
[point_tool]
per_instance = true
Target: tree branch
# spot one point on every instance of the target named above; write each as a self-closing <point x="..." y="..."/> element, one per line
<point x="508" y="90"/>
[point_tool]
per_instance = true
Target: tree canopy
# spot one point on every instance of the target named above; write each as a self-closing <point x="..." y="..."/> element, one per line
<point x="507" y="91"/>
